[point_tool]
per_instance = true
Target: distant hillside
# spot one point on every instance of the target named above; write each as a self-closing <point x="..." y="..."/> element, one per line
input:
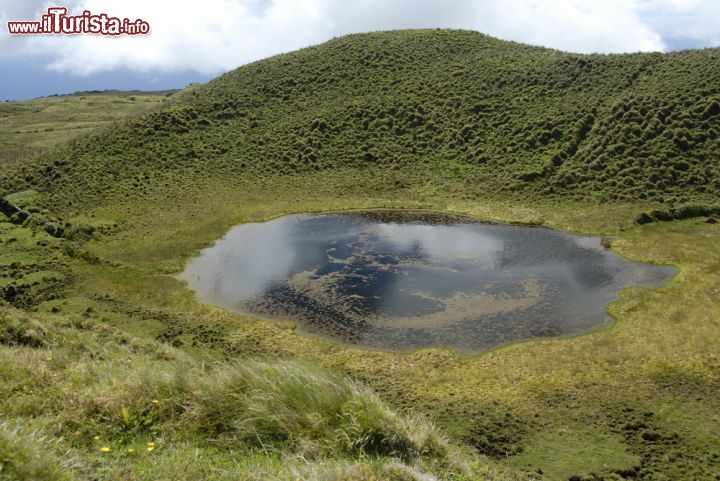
<point x="31" y="126"/>
<point x="435" y="106"/>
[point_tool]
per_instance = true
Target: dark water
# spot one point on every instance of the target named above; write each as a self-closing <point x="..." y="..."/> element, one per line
<point x="405" y="281"/>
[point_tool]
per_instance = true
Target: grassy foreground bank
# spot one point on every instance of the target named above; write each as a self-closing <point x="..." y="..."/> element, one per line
<point x="83" y="400"/>
<point x="633" y="400"/>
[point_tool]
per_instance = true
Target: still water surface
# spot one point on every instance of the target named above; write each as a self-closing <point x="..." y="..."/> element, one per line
<point x="410" y="280"/>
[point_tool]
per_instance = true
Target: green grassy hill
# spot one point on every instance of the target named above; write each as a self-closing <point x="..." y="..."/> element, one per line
<point x="32" y="126"/>
<point x="433" y="106"/>
<point x="99" y="327"/>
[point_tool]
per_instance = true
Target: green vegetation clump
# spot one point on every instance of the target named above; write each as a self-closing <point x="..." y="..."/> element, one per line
<point x="688" y="211"/>
<point x="32" y="267"/>
<point x="28" y="456"/>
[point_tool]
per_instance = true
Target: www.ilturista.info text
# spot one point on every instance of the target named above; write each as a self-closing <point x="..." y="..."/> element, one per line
<point x="57" y="21"/>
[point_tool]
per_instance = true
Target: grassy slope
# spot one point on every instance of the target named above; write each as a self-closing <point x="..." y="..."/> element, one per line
<point x="378" y="120"/>
<point x="440" y="107"/>
<point x="106" y="404"/>
<point x="32" y="126"/>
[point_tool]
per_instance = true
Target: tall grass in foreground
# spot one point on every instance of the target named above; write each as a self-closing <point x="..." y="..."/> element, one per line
<point x="81" y="400"/>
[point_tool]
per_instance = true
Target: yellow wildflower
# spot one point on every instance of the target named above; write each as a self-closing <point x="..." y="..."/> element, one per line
<point x="96" y="438"/>
<point x="151" y="444"/>
<point x="104" y="449"/>
<point x="150" y="449"/>
<point x="49" y="358"/>
<point x="130" y="450"/>
<point x="155" y="401"/>
<point x="77" y="433"/>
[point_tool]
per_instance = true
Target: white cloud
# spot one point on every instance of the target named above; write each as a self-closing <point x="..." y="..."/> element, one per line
<point x="216" y="35"/>
<point x="696" y="20"/>
<point x="573" y="25"/>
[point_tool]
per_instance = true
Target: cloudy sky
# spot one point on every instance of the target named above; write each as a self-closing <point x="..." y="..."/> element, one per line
<point x="195" y="41"/>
